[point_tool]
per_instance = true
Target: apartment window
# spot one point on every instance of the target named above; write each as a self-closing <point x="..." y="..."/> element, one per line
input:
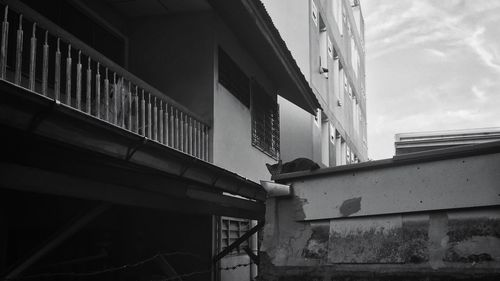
<point x="233" y="78"/>
<point x="265" y="121"/>
<point x="323" y="47"/>
<point x="232" y="229"/>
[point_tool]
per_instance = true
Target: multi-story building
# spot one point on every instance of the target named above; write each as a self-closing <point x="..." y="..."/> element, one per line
<point x="425" y="141"/>
<point x="326" y="38"/>
<point x="130" y="126"/>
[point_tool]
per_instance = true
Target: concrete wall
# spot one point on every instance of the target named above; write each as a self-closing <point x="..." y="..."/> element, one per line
<point x="232" y="130"/>
<point x="437" y="220"/>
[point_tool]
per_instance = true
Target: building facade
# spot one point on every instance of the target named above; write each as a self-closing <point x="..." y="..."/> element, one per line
<point x="326" y="38"/>
<point x="425" y="141"/>
<point x="137" y="133"/>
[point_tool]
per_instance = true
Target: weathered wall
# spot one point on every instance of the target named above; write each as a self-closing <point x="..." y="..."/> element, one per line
<point x="438" y="220"/>
<point x="232" y="128"/>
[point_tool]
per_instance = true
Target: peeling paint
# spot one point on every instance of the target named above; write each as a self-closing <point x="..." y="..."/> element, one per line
<point x="317" y="245"/>
<point x="350" y="206"/>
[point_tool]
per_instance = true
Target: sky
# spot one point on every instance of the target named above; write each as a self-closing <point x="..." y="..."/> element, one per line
<point x="431" y="65"/>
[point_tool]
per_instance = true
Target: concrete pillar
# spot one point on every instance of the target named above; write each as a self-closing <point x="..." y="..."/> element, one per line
<point x="338" y="149"/>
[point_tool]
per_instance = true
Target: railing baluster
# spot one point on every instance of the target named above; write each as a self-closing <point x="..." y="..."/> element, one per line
<point x="19" y="52"/>
<point x="202" y="142"/>
<point x="129" y="106"/>
<point x="181" y="131"/>
<point x="57" y="72"/>
<point x="177" y="133"/>
<point x="89" y="87"/>
<point x="32" y="59"/>
<point x="143" y="114"/>
<point x="165" y="124"/>
<point x="185" y="133"/>
<point x="149" y="116"/>
<point x="189" y="136"/>
<point x="106" y="95"/>
<point x="198" y="150"/>
<point x="79" y="82"/>
<point x="188" y="145"/>
<point x="136" y="100"/>
<point x="207" y="155"/>
<point x="155" y="121"/>
<point x="121" y="88"/>
<point x="98" y="92"/>
<point x="5" y="43"/>
<point x="45" y="64"/>
<point x="68" y="76"/>
<point x="171" y="128"/>
<point x="115" y="100"/>
<point x="160" y="118"/>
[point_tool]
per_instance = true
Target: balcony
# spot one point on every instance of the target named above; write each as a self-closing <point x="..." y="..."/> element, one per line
<point x="49" y="62"/>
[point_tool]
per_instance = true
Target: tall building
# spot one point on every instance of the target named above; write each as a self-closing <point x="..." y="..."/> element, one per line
<point x="326" y="38"/>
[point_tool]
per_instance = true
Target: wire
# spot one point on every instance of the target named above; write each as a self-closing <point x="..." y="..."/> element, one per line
<point x="127" y="266"/>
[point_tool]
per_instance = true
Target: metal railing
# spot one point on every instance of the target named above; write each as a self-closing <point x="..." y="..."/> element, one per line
<point x="80" y="77"/>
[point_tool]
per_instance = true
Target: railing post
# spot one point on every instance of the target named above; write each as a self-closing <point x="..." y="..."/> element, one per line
<point x="45" y="64"/>
<point x="129" y="106"/>
<point x="68" y="76"/>
<point x="155" y="121"/>
<point x="98" y="91"/>
<point x="32" y="59"/>
<point x="79" y="81"/>
<point x="57" y="72"/>
<point x="121" y="88"/>
<point x="136" y="100"/>
<point x="149" y="116"/>
<point x="88" y="89"/>
<point x="106" y="96"/>
<point x="19" y="52"/>
<point x="115" y="100"/>
<point x="5" y="43"/>
<point x="160" y="118"/>
<point x="143" y="114"/>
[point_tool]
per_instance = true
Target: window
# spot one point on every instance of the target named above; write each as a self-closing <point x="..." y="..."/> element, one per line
<point x="233" y="78"/>
<point x="265" y="121"/>
<point x="323" y="47"/>
<point x="232" y="229"/>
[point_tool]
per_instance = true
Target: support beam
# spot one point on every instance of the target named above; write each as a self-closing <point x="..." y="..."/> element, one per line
<point x="238" y="241"/>
<point x="253" y="257"/>
<point x="66" y="232"/>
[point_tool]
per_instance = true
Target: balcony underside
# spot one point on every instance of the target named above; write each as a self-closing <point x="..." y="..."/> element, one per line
<point x="55" y="149"/>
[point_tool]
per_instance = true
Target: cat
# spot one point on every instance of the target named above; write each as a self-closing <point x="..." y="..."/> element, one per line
<point x="299" y="164"/>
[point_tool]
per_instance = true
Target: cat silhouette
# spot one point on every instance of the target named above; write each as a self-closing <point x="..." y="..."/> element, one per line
<point x="299" y="164"/>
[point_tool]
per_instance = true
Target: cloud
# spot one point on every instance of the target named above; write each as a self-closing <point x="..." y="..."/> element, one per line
<point x="431" y="65"/>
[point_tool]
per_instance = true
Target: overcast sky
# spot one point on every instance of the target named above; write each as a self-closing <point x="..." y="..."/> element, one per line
<point x="431" y="65"/>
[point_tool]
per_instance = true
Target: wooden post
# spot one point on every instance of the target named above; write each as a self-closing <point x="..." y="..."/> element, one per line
<point x="106" y="95"/>
<point x="5" y="43"/>
<point x="129" y="106"/>
<point x="155" y="121"/>
<point x="32" y="59"/>
<point x="57" y="72"/>
<point x="89" y="87"/>
<point x="98" y="91"/>
<point x="45" y="64"/>
<point x="19" y="52"/>
<point x="79" y="81"/>
<point x="143" y="114"/>
<point x="68" y="76"/>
